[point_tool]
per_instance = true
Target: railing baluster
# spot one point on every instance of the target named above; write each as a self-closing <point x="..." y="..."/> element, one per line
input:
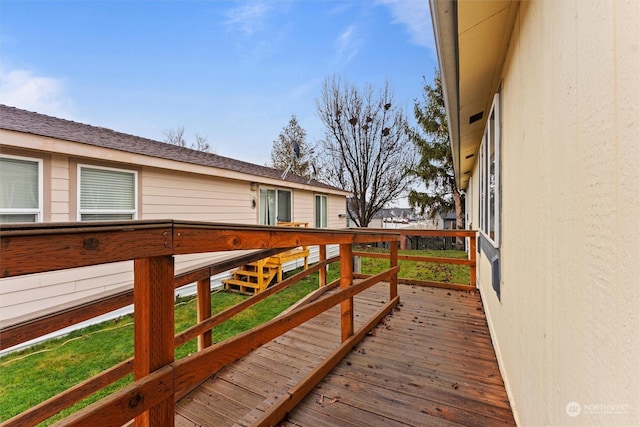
<point x="393" y="261"/>
<point x="472" y="257"/>
<point x="346" y="280"/>
<point x="154" y="329"/>
<point x="204" y="310"/>
<point x="322" y="274"/>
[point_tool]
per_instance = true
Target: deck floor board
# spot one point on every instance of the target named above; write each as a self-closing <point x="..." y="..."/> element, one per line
<point x="430" y="362"/>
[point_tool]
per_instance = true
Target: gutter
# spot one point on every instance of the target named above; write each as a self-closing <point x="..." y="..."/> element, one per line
<point x="444" y="17"/>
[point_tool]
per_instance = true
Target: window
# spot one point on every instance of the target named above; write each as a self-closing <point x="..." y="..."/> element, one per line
<point x="490" y="191"/>
<point x="107" y="194"/>
<point x="321" y="211"/>
<point x="275" y="206"/>
<point x="20" y="189"/>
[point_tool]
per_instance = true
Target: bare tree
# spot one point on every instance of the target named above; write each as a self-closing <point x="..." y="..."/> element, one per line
<point x="366" y="149"/>
<point x="176" y="137"/>
<point x="201" y="143"/>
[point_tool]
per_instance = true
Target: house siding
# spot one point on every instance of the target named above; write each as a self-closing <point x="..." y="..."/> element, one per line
<point x="336" y="206"/>
<point x="167" y="190"/>
<point x="59" y="203"/>
<point x="196" y="198"/>
<point x="566" y="326"/>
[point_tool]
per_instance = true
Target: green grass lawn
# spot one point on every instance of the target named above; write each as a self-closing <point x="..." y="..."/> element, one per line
<point x="448" y="273"/>
<point x="33" y="375"/>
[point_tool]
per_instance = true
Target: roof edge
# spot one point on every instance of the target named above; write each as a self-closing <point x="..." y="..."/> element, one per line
<point x="444" y="17"/>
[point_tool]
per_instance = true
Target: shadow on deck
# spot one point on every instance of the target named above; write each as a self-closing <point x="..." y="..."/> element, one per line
<point x="430" y="362"/>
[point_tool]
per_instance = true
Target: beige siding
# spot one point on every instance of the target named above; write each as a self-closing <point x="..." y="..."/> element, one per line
<point x="23" y="295"/>
<point x="566" y="328"/>
<point x="164" y="194"/>
<point x="167" y="194"/>
<point x="303" y="207"/>
<point x="60" y="189"/>
<point x="337" y="206"/>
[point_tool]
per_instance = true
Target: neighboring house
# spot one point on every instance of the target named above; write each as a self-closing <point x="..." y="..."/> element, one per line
<point x="393" y="218"/>
<point x="54" y="170"/>
<point x="543" y="100"/>
<point x="443" y="220"/>
<point x="448" y="220"/>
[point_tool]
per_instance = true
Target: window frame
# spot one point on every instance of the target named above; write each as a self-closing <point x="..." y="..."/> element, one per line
<point x="326" y="211"/>
<point x="490" y="219"/>
<point x="39" y="211"/>
<point x="468" y="205"/>
<point x="80" y="211"/>
<point x="276" y="206"/>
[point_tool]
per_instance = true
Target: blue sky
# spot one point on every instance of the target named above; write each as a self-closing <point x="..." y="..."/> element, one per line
<point x="234" y="71"/>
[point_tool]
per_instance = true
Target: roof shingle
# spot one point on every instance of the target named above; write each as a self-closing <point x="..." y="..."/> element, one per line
<point x="19" y="120"/>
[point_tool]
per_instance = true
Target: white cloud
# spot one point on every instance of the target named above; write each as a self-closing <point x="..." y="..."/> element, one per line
<point x="248" y="17"/>
<point x="303" y="90"/>
<point x="348" y="44"/>
<point x="415" y="16"/>
<point x="46" y="95"/>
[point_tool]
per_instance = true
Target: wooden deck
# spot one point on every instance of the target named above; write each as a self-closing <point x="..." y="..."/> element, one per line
<point x="430" y="362"/>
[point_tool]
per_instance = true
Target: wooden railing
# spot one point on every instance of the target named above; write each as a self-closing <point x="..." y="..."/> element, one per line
<point x="22" y="331"/>
<point x="159" y="379"/>
<point x="447" y="234"/>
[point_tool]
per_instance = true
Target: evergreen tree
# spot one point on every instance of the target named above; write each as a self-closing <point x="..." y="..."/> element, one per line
<point x="435" y="167"/>
<point x="291" y="151"/>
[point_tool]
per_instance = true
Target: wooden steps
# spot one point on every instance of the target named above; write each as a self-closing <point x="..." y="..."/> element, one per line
<point x="257" y="276"/>
<point x="254" y="277"/>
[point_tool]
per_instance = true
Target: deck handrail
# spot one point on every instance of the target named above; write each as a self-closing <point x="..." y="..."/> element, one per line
<point x="86" y="388"/>
<point x="471" y="261"/>
<point x="28" y="249"/>
<point x="25" y="330"/>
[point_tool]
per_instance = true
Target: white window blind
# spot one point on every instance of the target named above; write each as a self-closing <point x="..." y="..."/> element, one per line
<point x="20" y="189"/>
<point x="107" y="194"/>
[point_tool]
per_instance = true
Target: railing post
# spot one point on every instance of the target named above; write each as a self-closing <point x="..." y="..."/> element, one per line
<point x="393" y="261"/>
<point x="260" y="265"/>
<point x="346" y="280"/>
<point x="322" y="274"/>
<point x="472" y="257"/>
<point x="154" y="329"/>
<point x="204" y="311"/>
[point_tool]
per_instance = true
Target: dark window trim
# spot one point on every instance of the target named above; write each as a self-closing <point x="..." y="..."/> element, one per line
<point x="493" y="254"/>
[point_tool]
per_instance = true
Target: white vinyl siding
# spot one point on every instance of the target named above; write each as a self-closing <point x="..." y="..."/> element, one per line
<point x="192" y="197"/>
<point x="20" y="189"/>
<point x="107" y="194"/>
